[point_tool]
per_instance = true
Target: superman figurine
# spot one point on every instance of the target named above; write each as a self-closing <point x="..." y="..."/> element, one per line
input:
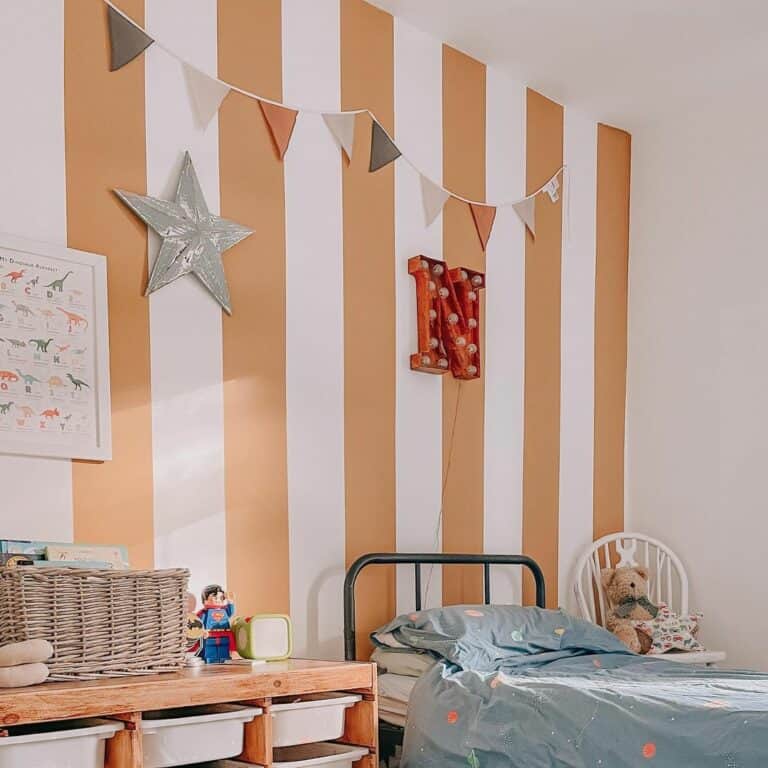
<point x="215" y="616"/>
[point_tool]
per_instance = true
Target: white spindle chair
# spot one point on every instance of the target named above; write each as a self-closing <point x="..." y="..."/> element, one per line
<point x="668" y="581"/>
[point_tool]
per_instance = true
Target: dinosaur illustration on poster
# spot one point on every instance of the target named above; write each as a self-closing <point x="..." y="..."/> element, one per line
<point x="58" y="285"/>
<point x="23" y="309"/>
<point x="78" y="384"/>
<point x="41" y="344"/>
<point x="74" y="320"/>
<point x="28" y="378"/>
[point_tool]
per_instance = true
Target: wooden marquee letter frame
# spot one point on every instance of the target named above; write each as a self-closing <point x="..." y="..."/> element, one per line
<point x="448" y="318"/>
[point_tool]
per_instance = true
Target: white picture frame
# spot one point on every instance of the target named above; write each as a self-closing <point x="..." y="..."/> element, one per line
<point x="54" y="353"/>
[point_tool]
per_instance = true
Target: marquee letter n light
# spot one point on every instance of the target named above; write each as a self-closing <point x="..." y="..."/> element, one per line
<point x="448" y="318"/>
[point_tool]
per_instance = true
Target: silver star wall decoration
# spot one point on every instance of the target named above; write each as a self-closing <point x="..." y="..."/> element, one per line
<point x="194" y="239"/>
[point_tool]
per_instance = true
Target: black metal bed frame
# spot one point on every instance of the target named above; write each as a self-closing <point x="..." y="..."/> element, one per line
<point x="419" y="559"/>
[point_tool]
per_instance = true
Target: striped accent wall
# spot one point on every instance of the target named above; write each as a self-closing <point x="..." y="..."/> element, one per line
<point x="269" y="449"/>
<point x="255" y="450"/>
<point x="368" y="213"/>
<point x="187" y="386"/>
<point x="541" y="417"/>
<point x="464" y="118"/>
<point x="105" y="121"/>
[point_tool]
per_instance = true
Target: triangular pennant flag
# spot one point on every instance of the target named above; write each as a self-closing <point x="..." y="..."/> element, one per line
<point x="205" y="92"/>
<point x="342" y="126"/>
<point x="433" y="197"/>
<point x="281" y="121"/>
<point x="127" y="40"/>
<point x="383" y="149"/>
<point x="484" y="216"/>
<point x="526" y="210"/>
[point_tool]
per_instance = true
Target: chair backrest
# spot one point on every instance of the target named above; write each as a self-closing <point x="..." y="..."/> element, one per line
<point x="668" y="581"/>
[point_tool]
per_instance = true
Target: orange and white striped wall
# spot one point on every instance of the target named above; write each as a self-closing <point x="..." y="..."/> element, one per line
<point x="269" y="449"/>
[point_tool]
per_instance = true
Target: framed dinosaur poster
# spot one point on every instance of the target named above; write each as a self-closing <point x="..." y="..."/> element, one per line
<point x="54" y="351"/>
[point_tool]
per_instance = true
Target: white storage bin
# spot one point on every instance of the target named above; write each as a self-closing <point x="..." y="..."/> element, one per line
<point x="193" y="735"/>
<point x="314" y="717"/>
<point x="69" y="744"/>
<point x="327" y="755"/>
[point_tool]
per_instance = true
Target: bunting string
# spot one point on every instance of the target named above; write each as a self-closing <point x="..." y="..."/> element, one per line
<point x="207" y="92"/>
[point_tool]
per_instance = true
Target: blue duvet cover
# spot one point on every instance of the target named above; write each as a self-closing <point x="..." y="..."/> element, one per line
<point x="536" y="689"/>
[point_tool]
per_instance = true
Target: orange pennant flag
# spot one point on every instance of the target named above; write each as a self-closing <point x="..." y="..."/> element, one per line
<point x="281" y="121"/>
<point x="484" y="216"/>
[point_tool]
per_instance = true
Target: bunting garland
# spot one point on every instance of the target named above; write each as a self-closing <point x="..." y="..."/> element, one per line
<point x="552" y="188"/>
<point x="484" y="216"/>
<point x="526" y="210"/>
<point x="433" y="197"/>
<point x="342" y="128"/>
<point x="281" y="122"/>
<point x="383" y="149"/>
<point x="205" y="93"/>
<point x="128" y="40"/>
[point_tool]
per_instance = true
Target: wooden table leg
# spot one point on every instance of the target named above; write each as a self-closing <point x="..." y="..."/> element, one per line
<point x="257" y="739"/>
<point x="361" y="724"/>
<point x="124" y="749"/>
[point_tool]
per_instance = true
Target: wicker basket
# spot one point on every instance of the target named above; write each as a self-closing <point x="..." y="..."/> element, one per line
<point x="101" y="623"/>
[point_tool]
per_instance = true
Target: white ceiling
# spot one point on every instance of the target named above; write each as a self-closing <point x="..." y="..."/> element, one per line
<point x="626" y="62"/>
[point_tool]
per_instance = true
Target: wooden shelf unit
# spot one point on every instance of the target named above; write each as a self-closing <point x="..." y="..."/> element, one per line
<point x="125" y="698"/>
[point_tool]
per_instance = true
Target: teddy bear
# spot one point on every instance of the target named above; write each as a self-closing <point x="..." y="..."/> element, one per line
<point x="626" y="590"/>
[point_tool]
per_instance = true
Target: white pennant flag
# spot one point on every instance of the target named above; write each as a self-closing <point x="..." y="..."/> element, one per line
<point x="342" y="126"/>
<point x="433" y="197"/>
<point x="205" y="93"/>
<point x="526" y="210"/>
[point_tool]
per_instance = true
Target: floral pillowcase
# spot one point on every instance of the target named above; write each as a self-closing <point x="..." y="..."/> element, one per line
<point x="670" y="632"/>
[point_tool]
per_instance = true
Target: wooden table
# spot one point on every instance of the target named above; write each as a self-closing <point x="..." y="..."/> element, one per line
<point x="125" y="698"/>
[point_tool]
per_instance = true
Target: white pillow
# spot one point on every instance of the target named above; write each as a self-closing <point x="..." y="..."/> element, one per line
<point x="411" y="664"/>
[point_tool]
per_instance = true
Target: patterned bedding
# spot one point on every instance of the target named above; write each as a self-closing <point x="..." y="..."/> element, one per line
<point x="534" y="688"/>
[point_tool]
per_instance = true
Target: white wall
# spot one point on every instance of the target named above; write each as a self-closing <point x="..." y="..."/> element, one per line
<point x="36" y="492"/>
<point x="698" y="357"/>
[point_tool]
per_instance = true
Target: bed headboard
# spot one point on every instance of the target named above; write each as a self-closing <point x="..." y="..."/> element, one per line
<point x="417" y="560"/>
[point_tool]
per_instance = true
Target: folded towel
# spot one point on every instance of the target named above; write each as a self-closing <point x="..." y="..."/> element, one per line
<point x="26" y="652"/>
<point x="25" y="674"/>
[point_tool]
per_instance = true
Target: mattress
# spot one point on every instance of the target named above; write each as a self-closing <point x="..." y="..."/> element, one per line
<point x="394" y="693"/>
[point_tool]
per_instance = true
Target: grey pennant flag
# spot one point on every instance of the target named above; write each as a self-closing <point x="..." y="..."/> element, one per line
<point x="126" y="39"/>
<point x="383" y="149"/>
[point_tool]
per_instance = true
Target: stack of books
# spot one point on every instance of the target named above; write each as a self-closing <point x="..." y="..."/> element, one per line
<point x="58" y="554"/>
